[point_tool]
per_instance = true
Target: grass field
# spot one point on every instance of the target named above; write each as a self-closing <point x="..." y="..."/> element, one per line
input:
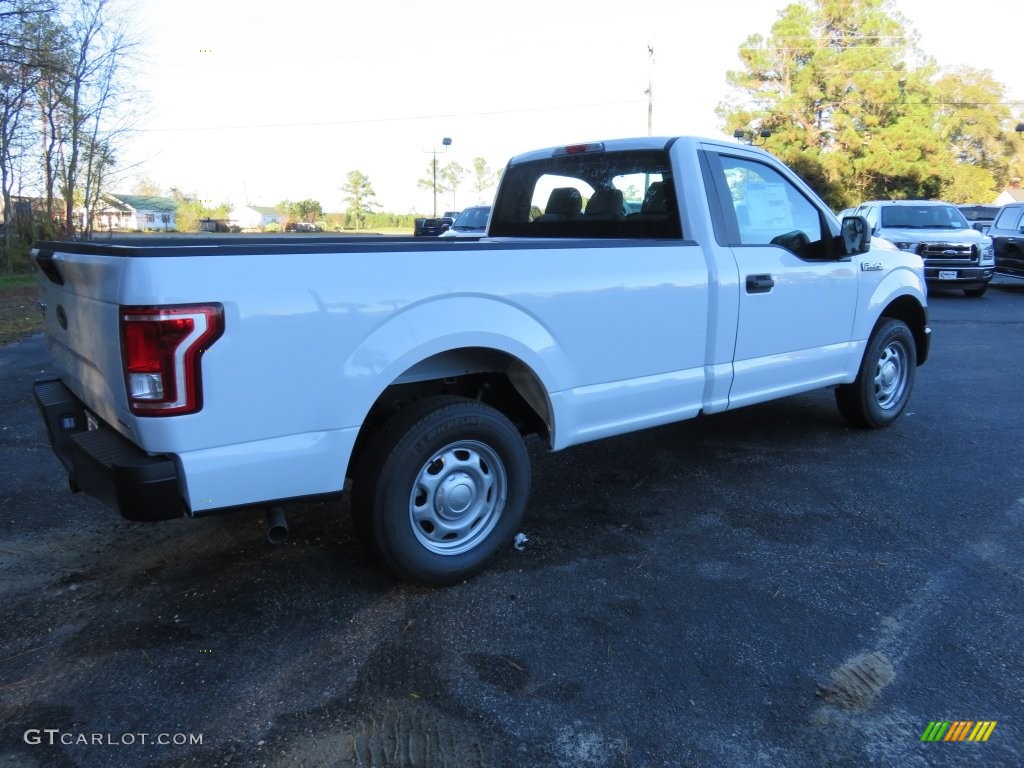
<point x="19" y="312"/>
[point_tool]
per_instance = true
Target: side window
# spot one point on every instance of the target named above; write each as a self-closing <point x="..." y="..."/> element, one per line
<point x="870" y="213"/>
<point x="770" y="210"/>
<point x="1009" y="218"/>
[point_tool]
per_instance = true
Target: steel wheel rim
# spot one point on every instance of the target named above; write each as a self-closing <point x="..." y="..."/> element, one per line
<point x="891" y="375"/>
<point x="457" y="497"/>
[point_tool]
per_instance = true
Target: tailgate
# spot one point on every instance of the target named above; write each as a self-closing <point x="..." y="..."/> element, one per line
<point x="81" y="295"/>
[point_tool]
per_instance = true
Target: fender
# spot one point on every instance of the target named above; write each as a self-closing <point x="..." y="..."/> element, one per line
<point x="901" y="280"/>
<point x="422" y="330"/>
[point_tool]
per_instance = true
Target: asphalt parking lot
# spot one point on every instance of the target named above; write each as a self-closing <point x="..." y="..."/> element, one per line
<point x="761" y="588"/>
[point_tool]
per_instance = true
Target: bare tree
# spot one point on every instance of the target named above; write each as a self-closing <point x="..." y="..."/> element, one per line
<point x="22" y="61"/>
<point x="77" y="105"/>
<point x="144" y="185"/>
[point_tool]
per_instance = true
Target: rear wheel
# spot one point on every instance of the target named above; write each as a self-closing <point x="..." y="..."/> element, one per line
<point x="441" y="489"/>
<point x="882" y="389"/>
<point x="976" y="293"/>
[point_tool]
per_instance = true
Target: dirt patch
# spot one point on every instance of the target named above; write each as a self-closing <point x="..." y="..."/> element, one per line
<point x="19" y="312"/>
<point x="857" y="682"/>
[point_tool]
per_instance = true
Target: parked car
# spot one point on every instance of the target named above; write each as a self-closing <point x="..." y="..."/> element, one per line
<point x="432" y="227"/>
<point x="472" y="222"/>
<point x="301" y="226"/>
<point x="979" y="216"/>
<point x="955" y="254"/>
<point x="1007" y="233"/>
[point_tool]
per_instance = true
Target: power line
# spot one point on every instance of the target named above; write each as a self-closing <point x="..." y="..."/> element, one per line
<point x="403" y="118"/>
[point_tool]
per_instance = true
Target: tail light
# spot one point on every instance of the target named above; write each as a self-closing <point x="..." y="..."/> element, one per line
<point x="161" y="348"/>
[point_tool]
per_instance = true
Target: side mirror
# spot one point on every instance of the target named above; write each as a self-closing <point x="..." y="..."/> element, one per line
<point x="856" y="235"/>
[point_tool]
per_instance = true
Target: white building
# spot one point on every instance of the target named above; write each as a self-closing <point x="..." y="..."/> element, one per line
<point x="136" y="212"/>
<point x="1012" y="194"/>
<point x="255" y="217"/>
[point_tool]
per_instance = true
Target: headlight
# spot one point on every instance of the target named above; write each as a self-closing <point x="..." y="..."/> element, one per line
<point x="906" y="246"/>
<point x="988" y="255"/>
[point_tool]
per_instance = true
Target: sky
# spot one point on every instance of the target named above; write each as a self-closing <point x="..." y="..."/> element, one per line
<point x="246" y="102"/>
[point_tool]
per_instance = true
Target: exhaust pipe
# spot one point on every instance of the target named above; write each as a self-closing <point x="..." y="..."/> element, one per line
<point x="275" y="525"/>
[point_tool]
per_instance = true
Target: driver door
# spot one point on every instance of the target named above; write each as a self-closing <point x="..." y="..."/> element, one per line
<point x="797" y="298"/>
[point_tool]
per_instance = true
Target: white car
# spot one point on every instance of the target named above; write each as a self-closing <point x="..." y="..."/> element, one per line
<point x="472" y="222"/>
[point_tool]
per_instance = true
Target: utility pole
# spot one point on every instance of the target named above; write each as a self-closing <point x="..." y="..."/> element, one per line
<point x="650" y="91"/>
<point x="445" y="143"/>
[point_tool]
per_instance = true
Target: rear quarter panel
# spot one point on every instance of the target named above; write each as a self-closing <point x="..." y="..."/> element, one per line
<point x="312" y="339"/>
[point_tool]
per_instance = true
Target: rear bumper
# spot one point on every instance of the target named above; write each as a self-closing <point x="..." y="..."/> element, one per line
<point x="104" y="464"/>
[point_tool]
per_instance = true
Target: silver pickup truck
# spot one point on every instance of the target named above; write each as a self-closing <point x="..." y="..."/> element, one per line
<point x="955" y="254"/>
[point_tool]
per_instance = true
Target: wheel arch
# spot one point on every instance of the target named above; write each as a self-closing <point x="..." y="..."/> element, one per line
<point x="910" y="310"/>
<point x="493" y="376"/>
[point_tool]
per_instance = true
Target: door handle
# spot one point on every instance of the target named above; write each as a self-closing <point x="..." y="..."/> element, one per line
<point x="759" y="283"/>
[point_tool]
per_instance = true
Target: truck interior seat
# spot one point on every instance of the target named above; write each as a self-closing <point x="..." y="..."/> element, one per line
<point x="606" y="204"/>
<point x="563" y="203"/>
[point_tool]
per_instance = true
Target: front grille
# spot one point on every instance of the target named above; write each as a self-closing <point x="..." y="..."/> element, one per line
<point x="948" y="254"/>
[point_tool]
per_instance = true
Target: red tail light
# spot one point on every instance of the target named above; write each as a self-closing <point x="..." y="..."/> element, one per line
<point x="160" y="349"/>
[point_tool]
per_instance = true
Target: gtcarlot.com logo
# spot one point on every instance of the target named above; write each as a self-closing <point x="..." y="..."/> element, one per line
<point x="958" y="730"/>
<point x="56" y="737"/>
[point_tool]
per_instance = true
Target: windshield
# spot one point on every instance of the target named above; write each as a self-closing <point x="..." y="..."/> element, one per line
<point x="472" y="218"/>
<point x="923" y="217"/>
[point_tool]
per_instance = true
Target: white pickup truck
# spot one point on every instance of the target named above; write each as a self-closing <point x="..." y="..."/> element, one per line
<point x="621" y="285"/>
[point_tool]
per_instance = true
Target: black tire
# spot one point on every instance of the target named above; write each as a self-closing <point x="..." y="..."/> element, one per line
<point x="976" y="293"/>
<point x="883" y="385"/>
<point x="441" y="489"/>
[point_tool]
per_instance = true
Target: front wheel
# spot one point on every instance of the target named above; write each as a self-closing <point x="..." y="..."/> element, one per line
<point x="882" y="388"/>
<point x="441" y="489"/>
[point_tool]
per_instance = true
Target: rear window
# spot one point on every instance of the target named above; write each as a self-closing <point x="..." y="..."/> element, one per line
<point x="594" y="194"/>
<point x="979" y="212"/>
<point x="923" y="217"/>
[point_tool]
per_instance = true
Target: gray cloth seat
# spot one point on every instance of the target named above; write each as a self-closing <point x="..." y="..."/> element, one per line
<point x="659" y="203"/>
<point x="606" y="204"/>
<point x="563" y="203"/>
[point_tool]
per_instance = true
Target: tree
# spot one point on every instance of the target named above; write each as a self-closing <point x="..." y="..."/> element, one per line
<point x="433" y="181"/>
<point x="99" y="161"/>
<point x="453" y="175"/>
<point x="972" y="120"/>
<point x="305" y="210"/>
<point x="25" y="56"/>
<point x="146" y="186"/>
<point x="360" y="196"/>
<point x="833" y="82"/>
<point x="191" y="211"/>
<point x="82" y="85"/>
<point x="483" y="178"/>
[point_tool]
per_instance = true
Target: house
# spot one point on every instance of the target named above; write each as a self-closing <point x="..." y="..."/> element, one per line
<point x="1012" y="194"/>
<point x="256" y="217"/>
<point x="136" y="212"/>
